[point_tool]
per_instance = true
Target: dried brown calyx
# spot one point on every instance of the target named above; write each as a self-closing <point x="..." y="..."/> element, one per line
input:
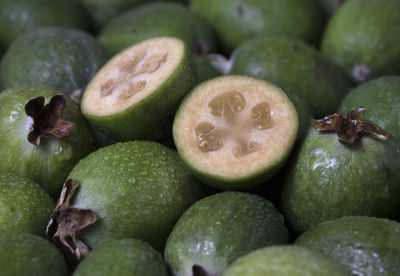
<point x="47" y="118"/>
<point x="349" y="127"/>
<point x="66" y="221"/>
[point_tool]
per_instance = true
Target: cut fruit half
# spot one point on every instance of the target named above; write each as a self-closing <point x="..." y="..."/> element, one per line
<point x="235" y="132"/>
<point x="130" y="97"/>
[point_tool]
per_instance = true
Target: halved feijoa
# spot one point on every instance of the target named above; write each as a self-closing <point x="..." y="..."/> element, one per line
<point x="235" y="132"/>
<point x="133" y="95"/>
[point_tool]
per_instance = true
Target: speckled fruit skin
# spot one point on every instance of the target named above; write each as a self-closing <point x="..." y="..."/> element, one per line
<point x="381" y="99"/>
<point x="327" y="179"/>
<point x="20" y="16"/>
<point x="138" y="189"/>
<point x="24" y="205"/>
<point x="27" y="254"/>
<point x="49" y="163"/>
<point x="237" y="21"/>
<point x="367" y="33"/>
<point x="159" y="19"/>
<point x="123" y="257"/>
<point x="282" y="261"/>
<point x="60" y="58"/>
<point x="151" y="117"/>
<point x="363" y="245"/>
<point x="218" y="229"/>
<point x="297" y="68"/>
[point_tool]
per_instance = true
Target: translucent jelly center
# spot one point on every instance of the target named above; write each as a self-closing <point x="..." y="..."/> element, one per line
<point x="132" y="77"/>
<point x="234" y="121"/>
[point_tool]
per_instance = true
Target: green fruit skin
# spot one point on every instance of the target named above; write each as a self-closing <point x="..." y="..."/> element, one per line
<point x="126" y="257"/>
<point x="20" y="16"/>
<point x="49" y="163"/>
<point x="138" y="189"/>
<point x="237" y="21"/>
<point x="102" y="11"/>
<point x="24" y="205"/>
<point x="220" y="228"/>
<point x="60" y="58"/>
<point x="159" y="19"/>
<point x="327" y="179"/>
<point x="284" y="260"/>
<point x="381" y="99"/>
<point x="150" y="118"/>
<point x="364" y="32"/>
<point x="297" y="68"/>
<point x="205" y="70"/>
<point x="25" y="254"/>
<point x="363" y="245"/>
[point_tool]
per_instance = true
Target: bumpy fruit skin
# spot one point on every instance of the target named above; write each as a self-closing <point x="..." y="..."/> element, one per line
<point x="24" y="205"/>
<point x="151" y="117"/>
<point x="159" y="19"/>
<point x="284" y="260"/>
<point x="49" y="163"/>
<point x="362" y="245"/>
<point x="27" y="254"/>
<point x="363" y="37"/>
<point x="218" y="229"/>
<point x="60" y="58"/>
<point x="123" y="257"/>
<point x="237" y="21"/>
<point x="297" y="68"/>
<point x="138" y="189"/>
<point x="381" y="99"/>
<point x="327" y="179"/>
<point x="20" y="16"/>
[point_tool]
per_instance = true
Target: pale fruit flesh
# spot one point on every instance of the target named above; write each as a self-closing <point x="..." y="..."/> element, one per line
<point x="235" y="126"/>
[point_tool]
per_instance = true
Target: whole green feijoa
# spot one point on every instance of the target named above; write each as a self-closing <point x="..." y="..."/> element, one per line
<point x="218" y="229"/>
<point x="130" y="257"/>
<point x="25" y="254"/>
<point x="381" y="99"/>
<point x="138" y="189"/>
<point x="362" y="245"/>
<point x="29" y="146"/>
<point x="284" y="260"/>
<point x="159" y="19"/>
<point x="62" y="58"/>
<point x="328" y="179"/>
<point x="237" y="21"/>
<point x="24" y="205"/>
<point x="21" y="16"/>
<point x="134" y="96"/>
<point x="296" y="67"/>
<point x="363" y="37"/>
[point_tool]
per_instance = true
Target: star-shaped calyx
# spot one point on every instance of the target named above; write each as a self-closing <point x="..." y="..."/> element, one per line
<point x="349" y="127"/>
<point x="47" y="118"/>
<point x="66" y="220"/>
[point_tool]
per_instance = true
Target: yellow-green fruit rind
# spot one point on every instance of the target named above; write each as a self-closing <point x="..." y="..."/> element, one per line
<point x="138" y="189"/>
<point x="237" y="21"/>
<point x="24" y="205"/>
<point x="49" y="163"/>
<point x="362" y="245"/>
<point x="230" y="182"/>
<point x="122" y="257"/>
<point x="27" y="254"/>
<point x="327" y="179"/>
<point x="159" y="19"/>
<point x="381" y="99"/>
<point x="297" y="68"/>
<point x="148" y="117"/>
<point x="21" y="16"/>
<point x="363" y="38"/>
<point x="284" y="260"/>
<point x="218" y="229"/>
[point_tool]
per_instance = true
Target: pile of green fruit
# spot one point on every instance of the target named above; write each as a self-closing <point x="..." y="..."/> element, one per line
<point x="199" y="137"/>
